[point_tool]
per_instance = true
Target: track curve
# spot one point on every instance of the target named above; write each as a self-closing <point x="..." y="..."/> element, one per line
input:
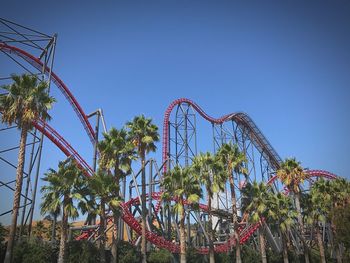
<point x="239" y="117"/>
<point x="37" y="63"/>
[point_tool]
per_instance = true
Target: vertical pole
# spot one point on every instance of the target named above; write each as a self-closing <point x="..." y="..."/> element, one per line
<point x="186" y="139"/>
<point x="97" y="127"/>
<point x="186" y="165"/>
<point x="150" y="182"/>
<point x="213" y="128"/>
<point x="121" y="225"/>
<point x="35" y="185"/>
<point x="27" y="184"/>
<point x="41" y="139"/>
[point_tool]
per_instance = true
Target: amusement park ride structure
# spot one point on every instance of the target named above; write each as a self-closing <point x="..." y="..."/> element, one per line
<point x="34" y="53"/>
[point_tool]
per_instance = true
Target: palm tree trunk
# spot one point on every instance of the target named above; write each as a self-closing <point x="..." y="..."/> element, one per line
<point x="182" y="235"/>
<point x="301" y="225"/>
<point x="262" y="247"/>
<point x="115" y="240"/>
<point x="17" y="198"/>
<point x="211" y="233"/>
<point x="102" y="232"/>
<point x="339" y="255"/>
<point x="285" y="250"/>
<point x="144" y="214"/>
<point x="53" y="238"/>
<point x="115" y="237"/>
<point x="64" y="234"/>
<point x="235" y="221"/>
<point x="320" y="244"/>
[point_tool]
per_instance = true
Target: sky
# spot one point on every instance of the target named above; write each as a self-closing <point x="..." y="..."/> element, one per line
<point x="285" y="63"/>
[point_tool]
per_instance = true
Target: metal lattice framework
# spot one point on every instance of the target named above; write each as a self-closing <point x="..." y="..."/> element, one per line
<point x="179" y="146"/>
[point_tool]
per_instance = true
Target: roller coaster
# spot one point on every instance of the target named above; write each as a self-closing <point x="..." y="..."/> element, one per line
<point x="179" y="146"/>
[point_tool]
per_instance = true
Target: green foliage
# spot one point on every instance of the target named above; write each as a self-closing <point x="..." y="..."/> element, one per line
<point x="259" y="199"/>
<point x="281" y="211"/>
<point x="192" y="256"/>
<point x="160" y="256"/>
<point x="223" y="258"/>
<point x="40" y="230"/>
<point x="117" y="152"/>
<point x="103" y="185"/>
<point x="232" y="159"/>
<point x="179" y="183"/>
<point x="3" y="235"/>
<point x="127" y="253"/>
<point x="291" y="174"/>
<point x="209" y="172"/>
<point x="273" y="257"/>
<point x="26" y="101"/>
<point x="82" y="251"/>
<point x="144" y="135"/>
<point x="341" y="217"/>
<point x="250" y="255"/>
<point x="65" y="186"/>
<point x="34" y="251"/>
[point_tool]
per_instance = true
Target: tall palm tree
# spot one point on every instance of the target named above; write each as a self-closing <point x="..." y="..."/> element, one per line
<point x="26" y="101"/>
<point x="292" y="174"/>
<point x="144" y="134"/>
<point x="103" y="187"/>
<point x="210" y="173"/>
<point x="116" y="152"/>
<point x="258" y="208"/>
<point x="316" y="204"/>
<point x="64" y="188"/>
<point x="180" y="184"/>
<point x="281" y="212"/>
<point x="339" y="193"/>
<point x="233" y="161"/>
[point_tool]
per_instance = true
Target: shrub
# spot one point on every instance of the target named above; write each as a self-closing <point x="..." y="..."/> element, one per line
<point x="82" y="251"/>
<point x="3" y="234"/>
<point x="160" y="256"/>
<point x="127" y="253"/>
<point x="193" y="256"/>
<point x="34" y="251"/>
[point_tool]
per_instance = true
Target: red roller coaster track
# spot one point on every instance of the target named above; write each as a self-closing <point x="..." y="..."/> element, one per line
<point x="129" y="219"/>
<point x="38" y="64"/>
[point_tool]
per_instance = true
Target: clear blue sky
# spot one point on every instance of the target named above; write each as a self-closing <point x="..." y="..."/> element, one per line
<point x="285" y="63"/>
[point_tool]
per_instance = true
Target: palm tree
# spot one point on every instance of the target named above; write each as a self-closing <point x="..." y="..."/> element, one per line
<point x="339" y="194"/>
<point x="233" y="161"/>
<point x="64" y="189"/>
<point x="179" y="184"/>
<point x="52" y="216"/>
<point x="282" y="213"/>
<point x="209" y="173"/>
<point x="26" y="101"/>
<point x="102" y="186"/>
<point x="116" y="152"/>
<point x="292" y="174"/>
<point x="258" y="208"/>
<point x="40" y="230"/>
<point x="144" y="134"/>
<point x="316" y="205"/>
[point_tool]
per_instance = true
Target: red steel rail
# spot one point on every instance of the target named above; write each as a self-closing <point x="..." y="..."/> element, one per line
<point x="38" y="64"/>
